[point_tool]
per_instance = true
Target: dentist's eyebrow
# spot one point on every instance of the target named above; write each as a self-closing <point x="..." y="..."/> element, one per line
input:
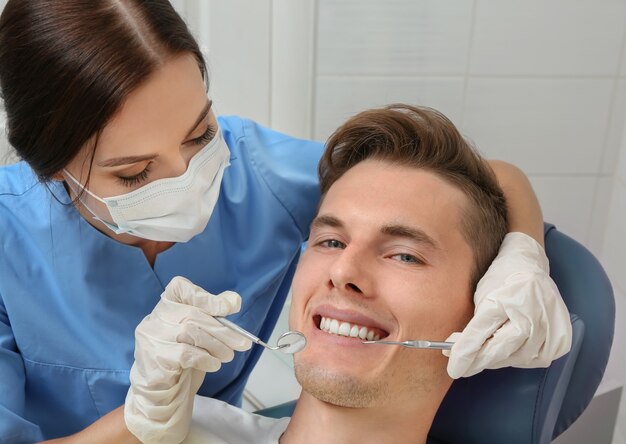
<point x="128" y="160"/>
<point x="413" y="234"/>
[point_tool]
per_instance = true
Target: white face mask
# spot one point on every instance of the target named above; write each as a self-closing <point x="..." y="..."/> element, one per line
<point x="173" y="209"/>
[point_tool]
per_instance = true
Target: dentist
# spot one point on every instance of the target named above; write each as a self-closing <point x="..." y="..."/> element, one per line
<point x="128" y="180"/>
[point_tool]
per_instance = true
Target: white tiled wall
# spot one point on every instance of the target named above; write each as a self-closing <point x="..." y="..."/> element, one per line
<point x="396" y="37"/>
<point x="537" y="123"/>
<point x="547" y="38"/>
<point x="340" y="97"/>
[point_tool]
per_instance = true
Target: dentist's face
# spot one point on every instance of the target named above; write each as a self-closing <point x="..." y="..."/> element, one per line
<point x="160" y="126"/>
<point x="385" y="258"/>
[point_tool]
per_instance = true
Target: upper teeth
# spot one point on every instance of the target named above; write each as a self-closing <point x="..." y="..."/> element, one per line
<point x="342" y="328"/>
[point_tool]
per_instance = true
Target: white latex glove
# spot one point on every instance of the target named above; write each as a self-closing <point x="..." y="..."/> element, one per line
<point x="174" y="347"/>
<point x="520" y="319"/>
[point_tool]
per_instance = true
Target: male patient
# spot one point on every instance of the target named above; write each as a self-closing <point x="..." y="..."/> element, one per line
<point x="411" y="217"/>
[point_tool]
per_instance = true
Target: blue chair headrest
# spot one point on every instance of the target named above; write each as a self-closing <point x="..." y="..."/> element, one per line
<point x="587" y="291"/>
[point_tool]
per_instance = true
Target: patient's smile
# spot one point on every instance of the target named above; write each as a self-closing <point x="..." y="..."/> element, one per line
<point x="342" y="328"/>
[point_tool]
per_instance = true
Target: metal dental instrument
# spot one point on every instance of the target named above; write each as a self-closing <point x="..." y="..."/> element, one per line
<point x="289" y="342"/>
<point x="433" y="345"/>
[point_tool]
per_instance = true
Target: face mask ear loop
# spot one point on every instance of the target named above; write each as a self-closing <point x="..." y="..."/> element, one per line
<point x="83" y="188"/>
<point x="110" y="226"/>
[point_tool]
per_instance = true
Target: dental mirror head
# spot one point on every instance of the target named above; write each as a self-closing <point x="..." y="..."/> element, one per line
<point x="291" y="342"/>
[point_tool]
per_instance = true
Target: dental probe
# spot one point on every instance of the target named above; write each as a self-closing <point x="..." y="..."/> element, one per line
<point x="433" y="345"/>
<point x="289" y="342"/>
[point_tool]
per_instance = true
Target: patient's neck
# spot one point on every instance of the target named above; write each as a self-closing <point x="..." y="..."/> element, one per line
<point x="316" y="421"/>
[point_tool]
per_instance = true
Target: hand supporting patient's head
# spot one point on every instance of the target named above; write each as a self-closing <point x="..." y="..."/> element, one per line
<point x="392" y="253"/>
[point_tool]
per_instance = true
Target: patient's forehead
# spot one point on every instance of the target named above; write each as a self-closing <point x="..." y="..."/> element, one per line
<point x="375" y="193"/>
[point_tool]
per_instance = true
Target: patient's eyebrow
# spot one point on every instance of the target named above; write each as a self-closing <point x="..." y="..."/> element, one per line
<point x="414" y="234"/>
<point x="326" y="220"/>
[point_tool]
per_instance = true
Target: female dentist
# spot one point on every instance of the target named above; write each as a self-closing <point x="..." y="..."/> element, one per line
<point x="128" y="180"/>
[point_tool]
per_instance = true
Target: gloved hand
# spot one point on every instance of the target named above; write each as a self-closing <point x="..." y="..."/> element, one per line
<point x="175" y="346"/>
<point x="520" y="319"/>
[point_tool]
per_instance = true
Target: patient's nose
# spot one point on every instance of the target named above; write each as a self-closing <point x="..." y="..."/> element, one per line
<point x="347" y="273"/>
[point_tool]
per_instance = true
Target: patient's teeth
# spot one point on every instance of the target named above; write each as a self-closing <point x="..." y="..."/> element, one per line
<point x="333" y="326"/>
<point x="344" y="329"/>
<point x="354" y="331"/>
<point x="363" y="333"/>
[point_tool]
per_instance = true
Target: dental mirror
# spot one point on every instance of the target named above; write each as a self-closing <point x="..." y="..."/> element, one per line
<point x="289" y="342"/>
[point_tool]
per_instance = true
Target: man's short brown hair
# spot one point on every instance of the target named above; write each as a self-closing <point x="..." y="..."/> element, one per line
<point x="426" y="139"/>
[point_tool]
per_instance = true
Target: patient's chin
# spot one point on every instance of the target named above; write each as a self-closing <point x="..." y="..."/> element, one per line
<point x="339" y="389"/>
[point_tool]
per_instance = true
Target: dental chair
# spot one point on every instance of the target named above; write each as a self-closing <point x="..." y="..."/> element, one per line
<point x="534" y="406"/>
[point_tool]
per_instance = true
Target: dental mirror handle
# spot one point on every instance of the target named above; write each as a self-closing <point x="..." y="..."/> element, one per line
<point x="226" y="323"/>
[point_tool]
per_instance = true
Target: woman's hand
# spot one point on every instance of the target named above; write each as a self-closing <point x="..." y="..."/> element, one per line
<point x="520" y="319"/>
<point x="174" y="347"/>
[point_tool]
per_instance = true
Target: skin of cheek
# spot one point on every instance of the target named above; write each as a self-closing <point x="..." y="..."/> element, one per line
<point x="432" y="315"/>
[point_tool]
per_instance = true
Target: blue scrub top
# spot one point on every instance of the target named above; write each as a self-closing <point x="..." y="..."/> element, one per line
<point x="71" y="297"/>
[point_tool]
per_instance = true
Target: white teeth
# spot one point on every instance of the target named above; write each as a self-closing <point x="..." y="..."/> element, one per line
<point x="363" y="333"/>
<point x="343" y="328"/>
<point x="354" y="331"/>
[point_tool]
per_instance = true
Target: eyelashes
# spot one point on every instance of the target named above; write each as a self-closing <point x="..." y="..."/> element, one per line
<point x="137" y="178"/>
<point x="206" y="137"/>
<point x="131" y="181"/>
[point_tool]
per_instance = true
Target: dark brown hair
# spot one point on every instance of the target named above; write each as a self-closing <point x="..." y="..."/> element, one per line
<point x="67" y="66"/>
<point x="426" y="139"/>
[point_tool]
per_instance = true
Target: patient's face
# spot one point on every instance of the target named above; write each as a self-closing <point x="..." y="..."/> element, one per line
<point x="385" y="258"/>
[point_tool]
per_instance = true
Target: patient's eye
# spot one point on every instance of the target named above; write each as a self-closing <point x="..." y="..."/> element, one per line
<point x="331" y="243"/>
<point x="407" y="258"/>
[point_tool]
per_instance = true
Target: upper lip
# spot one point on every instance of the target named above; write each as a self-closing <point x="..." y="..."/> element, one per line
<point x="351" y="316"/>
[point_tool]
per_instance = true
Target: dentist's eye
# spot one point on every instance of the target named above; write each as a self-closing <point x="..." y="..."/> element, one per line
<point x="136" y="179"/>
<point x="206" y="137"/>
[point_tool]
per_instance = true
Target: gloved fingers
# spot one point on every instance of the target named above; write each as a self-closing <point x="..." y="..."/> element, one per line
<point x="230" y="338"/>
<point x="166" y="352"/>
<point x="192" y="334"/>
<point x="487" y="319"/>
<point x="454" y="337"/>
<point x="190" y="357"/>
<point x="197" y="323"/>
<point x="182" y="291"/>
<point x="506" y="341"/>
<point x="170" y="315"/>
